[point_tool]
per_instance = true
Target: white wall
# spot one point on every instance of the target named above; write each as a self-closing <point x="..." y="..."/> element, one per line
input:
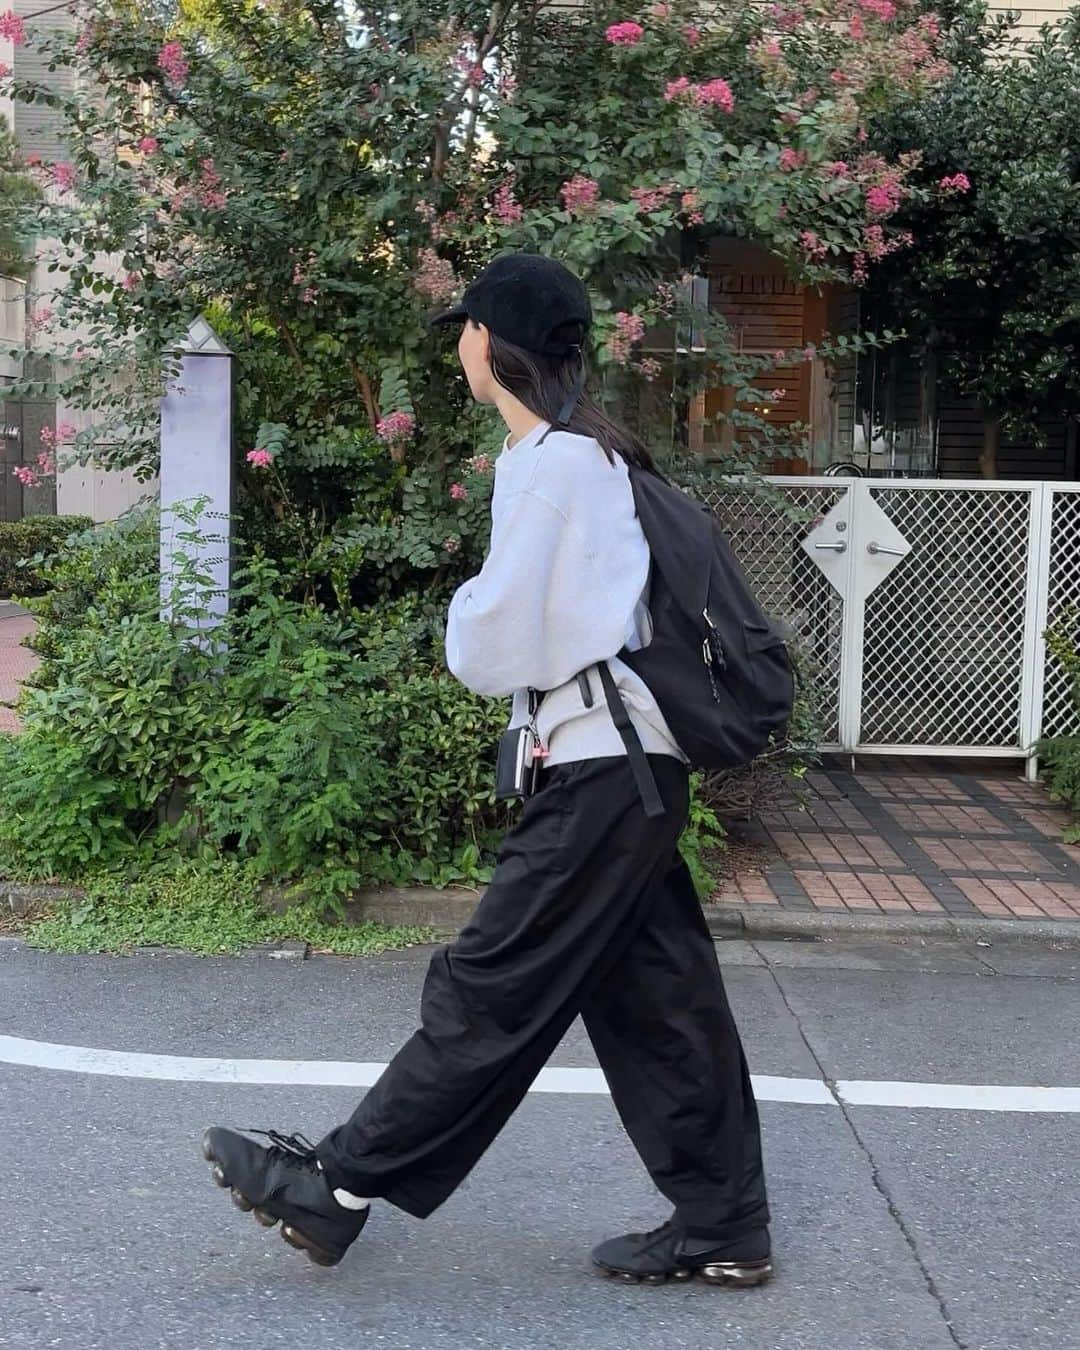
<point x="81" y="490"/>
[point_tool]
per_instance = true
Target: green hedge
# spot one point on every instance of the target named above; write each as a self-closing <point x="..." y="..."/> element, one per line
<point x="21" y="540"/>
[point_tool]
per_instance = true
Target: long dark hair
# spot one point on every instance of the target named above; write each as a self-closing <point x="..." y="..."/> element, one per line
<point x="544" y="383"/>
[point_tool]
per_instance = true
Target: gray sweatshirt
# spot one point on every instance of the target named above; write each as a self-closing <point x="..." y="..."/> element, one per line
<point x="561" y="589"/>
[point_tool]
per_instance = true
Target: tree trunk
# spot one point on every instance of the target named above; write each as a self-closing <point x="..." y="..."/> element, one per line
<point x="988" y="459"/>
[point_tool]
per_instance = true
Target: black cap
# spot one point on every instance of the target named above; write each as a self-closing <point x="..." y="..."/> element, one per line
<point x="534" y="302"/>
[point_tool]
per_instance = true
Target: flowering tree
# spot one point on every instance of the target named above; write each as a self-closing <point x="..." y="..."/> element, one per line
<point x="17" y="191"/>
<point x="319" y="176"/>
<point x="993" y="287"/>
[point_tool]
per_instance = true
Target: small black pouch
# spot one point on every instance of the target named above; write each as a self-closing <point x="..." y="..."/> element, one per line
<point x="517" y="768"/>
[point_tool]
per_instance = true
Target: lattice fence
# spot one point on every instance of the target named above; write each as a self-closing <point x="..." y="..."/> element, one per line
<point x="938" y="661"/>
<point x="1059" y="710"/>
<point x="766" y="530"/>
<point x="944" y="632"/>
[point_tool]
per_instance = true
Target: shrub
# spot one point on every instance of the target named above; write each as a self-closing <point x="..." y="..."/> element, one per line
<point x="1061" y="754"/>
<point x="24" y="543"/>
<point x="329" y="750"/>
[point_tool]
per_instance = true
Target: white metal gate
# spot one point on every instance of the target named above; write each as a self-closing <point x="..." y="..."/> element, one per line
<point x="921" y="602"/>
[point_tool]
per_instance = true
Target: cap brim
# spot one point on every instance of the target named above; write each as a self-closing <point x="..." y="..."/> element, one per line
<point x="456" y="315"/>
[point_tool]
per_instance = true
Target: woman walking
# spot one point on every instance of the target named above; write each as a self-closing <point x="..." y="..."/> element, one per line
<point x="591" y="909"/>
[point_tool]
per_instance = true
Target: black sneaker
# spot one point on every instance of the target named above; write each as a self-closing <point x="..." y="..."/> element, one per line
<point x="668" y="1254"/>
<point x="283" y="1182"/>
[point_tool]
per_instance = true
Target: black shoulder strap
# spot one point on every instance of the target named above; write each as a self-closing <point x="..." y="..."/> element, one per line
<point x="639" y="764"/>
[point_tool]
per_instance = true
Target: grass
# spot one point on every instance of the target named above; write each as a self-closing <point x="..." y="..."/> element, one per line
<point x="211" y="910"/>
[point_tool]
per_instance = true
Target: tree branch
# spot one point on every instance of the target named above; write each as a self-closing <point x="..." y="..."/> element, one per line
<point x="363" y="383"/>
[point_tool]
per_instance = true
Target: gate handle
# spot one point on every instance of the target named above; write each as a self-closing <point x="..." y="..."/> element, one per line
<point x="880" y="548"/>
<point x="838" y="545"/>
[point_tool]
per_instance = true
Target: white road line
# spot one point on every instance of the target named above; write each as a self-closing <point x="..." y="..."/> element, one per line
<point x="345" y="1073"/>
<point x="961" y="1096"/>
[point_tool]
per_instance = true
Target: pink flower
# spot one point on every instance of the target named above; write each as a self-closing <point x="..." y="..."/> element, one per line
<point x="47" y="462"/>
<point x="480" y="464"/>
<point x="149" y="145"/>
<point x="507" y="209"/>
<point x="786" y="17"/>
<point x="856" y="27"/>
<point x="580" y="194"/>
<point x="790" y="159"/>
<point x="884" y="9"/>
<point x="627" y="34"/>
<point x="260" y="459"/>
<point x="63" y="175"/>
<point x="171" y="62"/>
<point x="661" y="12"/>
<point x="691" y="203"/>
<point x="648" y="199"/>
<point x="812" y="246"/>
<point x="956" y="183"/>
<point x="451" y="544"/>
<point x="837" y="168"/>
<point x="718" y="94"/>
<point x="86" y="36"/>
<point x="396" y="427"/>
<point x="131" y="280"/>
<point x="874" y="242"/>
<point x="629" y="328"/>
<point x="66" y="431"/>
<point x="33" y="159"/>
<point x="808" y="353"/>
<point x="434" y="277"/>
<point x="459" y="492"/>
<point x="5" y="70"/>
<point x="508" y="87"/>
<point x="882" y="199"/>
<point x="472" y="70"/>
<point x="776" y="395"/>
<point x="779" y="356"/>
<point x="42" y="316"/>
<point x="48" y="436"/>
<point x="676" y="88"/>
<point x="692" y="35"/>
<point x="650" y="367"/>
<point x="860" y="270"/>
<point x="12" y="28"/>
<point x="25" y="474"/>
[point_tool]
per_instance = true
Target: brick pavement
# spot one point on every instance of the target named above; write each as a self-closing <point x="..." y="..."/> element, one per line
<point x="911" y="836"/>
<point x="902" y="836"/>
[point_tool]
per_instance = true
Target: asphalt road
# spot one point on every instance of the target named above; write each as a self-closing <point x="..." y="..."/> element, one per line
<point x="895" y="1227"/>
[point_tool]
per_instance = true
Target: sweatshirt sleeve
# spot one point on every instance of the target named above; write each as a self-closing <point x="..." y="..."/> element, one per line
<point x="507" y="628"/>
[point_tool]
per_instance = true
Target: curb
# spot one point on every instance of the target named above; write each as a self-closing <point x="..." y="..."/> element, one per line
<point x="448" y="911"/>
<point x="749" y="923"/>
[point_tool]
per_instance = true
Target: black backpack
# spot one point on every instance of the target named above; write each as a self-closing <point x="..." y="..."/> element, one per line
<point x="717" y="667"/>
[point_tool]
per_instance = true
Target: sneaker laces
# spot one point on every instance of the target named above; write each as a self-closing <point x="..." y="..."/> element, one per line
<point x="290" y="1148"/>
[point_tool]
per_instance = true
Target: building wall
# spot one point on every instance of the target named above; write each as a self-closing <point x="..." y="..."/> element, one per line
<point x="1031" y="19"/>
<point x="82" y="490"/>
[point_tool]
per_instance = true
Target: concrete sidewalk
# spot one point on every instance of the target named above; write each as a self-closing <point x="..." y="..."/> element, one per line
<point x="16" y="662"/>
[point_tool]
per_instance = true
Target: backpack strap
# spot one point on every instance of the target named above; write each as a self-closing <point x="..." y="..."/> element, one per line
<point x="639" y="764"/>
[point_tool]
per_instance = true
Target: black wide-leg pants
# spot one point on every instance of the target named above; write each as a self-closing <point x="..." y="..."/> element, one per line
<point x="591" y="910"/>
